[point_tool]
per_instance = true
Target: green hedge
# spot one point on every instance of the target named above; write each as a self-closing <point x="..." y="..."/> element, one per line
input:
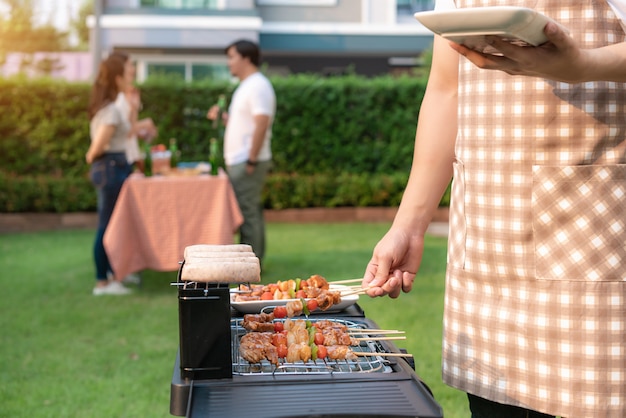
<point x="283" y="191"/>
<point x="340" y="141"/>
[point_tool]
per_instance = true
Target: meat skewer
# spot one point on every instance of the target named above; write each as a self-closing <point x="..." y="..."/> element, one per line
<point x="288" y="289"/>
<point x="258" y="322"/>
<point x="257" y="346"/>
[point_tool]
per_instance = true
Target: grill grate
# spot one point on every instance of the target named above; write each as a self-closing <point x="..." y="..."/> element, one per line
<point x="363" y="364"/>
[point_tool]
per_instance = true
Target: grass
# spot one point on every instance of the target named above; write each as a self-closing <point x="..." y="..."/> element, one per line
<point x="65" y="353"/>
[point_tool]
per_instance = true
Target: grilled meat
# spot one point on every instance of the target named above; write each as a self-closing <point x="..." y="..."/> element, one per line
<point x="259" y="322"/>
<point x="257" y="346"/>
<point x="340" y="352"/>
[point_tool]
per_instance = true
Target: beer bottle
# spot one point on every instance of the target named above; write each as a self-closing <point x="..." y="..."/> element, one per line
<point x="214" y="158"/>
<point x="147" y="160"/>
<point x="174" y="153"/>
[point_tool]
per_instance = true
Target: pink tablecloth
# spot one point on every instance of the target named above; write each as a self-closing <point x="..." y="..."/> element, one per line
<point x="155" y="218"/>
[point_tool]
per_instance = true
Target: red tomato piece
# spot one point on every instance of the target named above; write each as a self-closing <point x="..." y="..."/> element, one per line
<point x="300" y="294"/>
<point x="278" y="327"/>
<point x="279" y="339"/>
<point x="280" y="312"/>
<point x="267" y="296"/>
<point x="321" y="351"/>
<point x="311" y="304"/>
<point x="318" y="339"/>
<point x="282" y="350"/>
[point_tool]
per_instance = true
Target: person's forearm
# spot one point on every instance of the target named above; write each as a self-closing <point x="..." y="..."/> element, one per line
<point x="606" y="64"/>
<point x="432" y="162"/>
<point x="258" y="136"/>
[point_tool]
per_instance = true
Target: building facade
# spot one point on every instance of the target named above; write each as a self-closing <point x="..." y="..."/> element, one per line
<point x="186" y="38"/>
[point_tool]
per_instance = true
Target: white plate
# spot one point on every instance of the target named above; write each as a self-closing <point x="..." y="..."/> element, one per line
<point x="469" y="26"/>
<point x="255" y="306"/>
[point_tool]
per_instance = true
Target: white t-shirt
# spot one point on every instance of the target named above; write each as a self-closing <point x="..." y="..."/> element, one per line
<point x="133" y="153"/>
<point x="618" y="6"/>
<point x="254" y="96"/>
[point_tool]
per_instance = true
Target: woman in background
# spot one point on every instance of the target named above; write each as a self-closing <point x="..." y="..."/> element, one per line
<point x="109" y="130"/>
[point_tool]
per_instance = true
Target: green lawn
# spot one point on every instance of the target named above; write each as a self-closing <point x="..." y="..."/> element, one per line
<point x="66" y="353"/>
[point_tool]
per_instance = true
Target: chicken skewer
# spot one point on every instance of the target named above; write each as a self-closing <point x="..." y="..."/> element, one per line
<point x="289" y="289"/>
<point x="256" y="347"/>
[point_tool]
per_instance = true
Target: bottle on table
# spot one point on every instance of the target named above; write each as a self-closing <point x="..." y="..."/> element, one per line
<point x="214" y="157"/>
<point x="174" y="153"/>
<point x="147" y="160"/>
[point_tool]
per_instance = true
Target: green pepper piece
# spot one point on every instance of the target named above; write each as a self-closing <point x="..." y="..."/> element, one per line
<point x="305" y="309"/>
<point x="298" y="280"/>
<point x="312" y="331"/>
<point x="292" y="293"/>
<point x="313" y="352"/>
<point x="308" y="324"/>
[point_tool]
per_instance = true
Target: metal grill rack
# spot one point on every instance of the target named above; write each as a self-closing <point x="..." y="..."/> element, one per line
<point x="363" y="364"/>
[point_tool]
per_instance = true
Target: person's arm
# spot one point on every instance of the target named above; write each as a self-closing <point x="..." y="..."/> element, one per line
<point x="560" y="59"/>
<point x="397" y="257"/>
<point x="261" y="124"/>
<point x="100" y="143"/>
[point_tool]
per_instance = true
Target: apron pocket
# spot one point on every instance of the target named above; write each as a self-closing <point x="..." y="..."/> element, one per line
<point x="579" y="222"/>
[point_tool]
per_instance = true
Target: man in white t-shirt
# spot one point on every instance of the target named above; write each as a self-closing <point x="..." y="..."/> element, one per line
<point x="247" y="138"/>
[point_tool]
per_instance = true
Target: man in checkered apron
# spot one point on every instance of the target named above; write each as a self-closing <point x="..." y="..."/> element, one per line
<point x="535" y="305"/>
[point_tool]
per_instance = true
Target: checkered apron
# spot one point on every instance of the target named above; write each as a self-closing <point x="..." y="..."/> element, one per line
<point x="535" y="307"/>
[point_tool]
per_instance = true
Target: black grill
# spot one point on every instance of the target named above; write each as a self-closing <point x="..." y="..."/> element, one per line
<point x="211" y="379"/>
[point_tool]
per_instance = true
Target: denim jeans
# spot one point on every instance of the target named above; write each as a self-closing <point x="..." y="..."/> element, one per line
<point x="483" y="408"/>
<point x="107" y="175"/>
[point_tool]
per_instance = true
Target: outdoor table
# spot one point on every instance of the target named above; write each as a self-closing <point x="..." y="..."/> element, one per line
<point x="155" y="218"/>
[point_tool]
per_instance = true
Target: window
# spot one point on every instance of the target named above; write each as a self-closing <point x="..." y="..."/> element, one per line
<point x="182" y="68"/>
<point x="181" y="4"/>
<point x="406" y="8"/>
<point x="296" y="2"/>
<point x="174" y="71"/>
<point x="209" y="72"/>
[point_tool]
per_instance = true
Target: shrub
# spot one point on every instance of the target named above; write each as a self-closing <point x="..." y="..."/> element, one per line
<point x="340" y="141"/>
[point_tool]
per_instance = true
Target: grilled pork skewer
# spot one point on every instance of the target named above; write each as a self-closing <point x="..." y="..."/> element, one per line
<point x="259" y="322"/>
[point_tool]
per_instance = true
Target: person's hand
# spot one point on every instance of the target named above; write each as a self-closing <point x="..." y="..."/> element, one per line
<point x="213" y="112"/>
<point x="134" y="99"/>
<point x="559" y="59"/>
<point x="394" y="264"/>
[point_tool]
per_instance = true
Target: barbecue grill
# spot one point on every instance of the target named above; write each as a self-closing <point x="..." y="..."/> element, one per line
<point x="211" y="379"/>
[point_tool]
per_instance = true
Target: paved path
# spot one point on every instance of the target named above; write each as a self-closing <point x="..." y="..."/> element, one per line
<point x="35" y="222"/>
<point x="439" y="229"/>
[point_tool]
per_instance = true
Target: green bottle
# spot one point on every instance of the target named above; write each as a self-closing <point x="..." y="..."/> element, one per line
<point x="147" y="160"/>
<point x="214" y="157"/>
<point x="174" y="153"/>
<point x="217" y="123"/>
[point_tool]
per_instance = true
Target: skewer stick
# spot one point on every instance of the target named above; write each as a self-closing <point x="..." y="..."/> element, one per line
<point x="366" y="354"/>
<point x="346" y="281"/>
<point x="399" y="337"/>
<point x="374" y="331"/>
<point x="357" y="291"/>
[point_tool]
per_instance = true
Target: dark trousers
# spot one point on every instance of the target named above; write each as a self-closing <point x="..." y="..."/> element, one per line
<point x="483" y="408"/>
<point x="248" y="189"/>
<point x="107" y="175"/>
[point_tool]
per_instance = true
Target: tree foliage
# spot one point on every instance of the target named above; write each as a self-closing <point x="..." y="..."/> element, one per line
<point x="18" y="32"/>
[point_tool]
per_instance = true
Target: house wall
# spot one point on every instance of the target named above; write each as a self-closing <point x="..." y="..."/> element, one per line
<point x="345" y="11"/>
